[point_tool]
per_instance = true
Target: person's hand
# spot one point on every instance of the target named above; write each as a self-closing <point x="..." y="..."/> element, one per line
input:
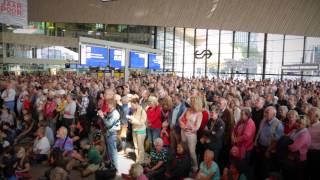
<point x="147" y="169"/>
<point x="129" y="117"/>
<point x="100" y="113"/>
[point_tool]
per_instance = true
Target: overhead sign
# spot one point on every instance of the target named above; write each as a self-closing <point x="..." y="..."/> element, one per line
<point x="94" y="56"/>
<point x="155" y="61"/>
<point x="205" y="53"/>
<point x="117" y="58"/>
<point x="14" y="12"/>
<point x="138" y="59"/>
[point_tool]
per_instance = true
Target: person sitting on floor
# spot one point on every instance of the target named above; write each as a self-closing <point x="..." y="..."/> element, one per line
<point x="155" y="165"/>
<point x="41" y="146"/>
<point x="92" y="160"/>
<point x="209" y="170"/>
<point x="180" y="166"/>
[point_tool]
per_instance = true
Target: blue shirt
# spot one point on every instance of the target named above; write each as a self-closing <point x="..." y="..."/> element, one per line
<point x="266" y="135"/>
<point x="213" y="169"/>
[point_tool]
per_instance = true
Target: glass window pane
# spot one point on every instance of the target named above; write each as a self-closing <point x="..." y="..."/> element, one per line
<point x="213" y="46"/>
<point x="189" y="52"/>
<point x="312" y="50"/>
<point x="200" y="46"/>
<point x="168" y="58"/>
<point x="274" y="54"/>
<point x="178" y="54"/>
<point x="226" y="53"/>
<point x="256" y="47"/>
<point x="293" y="51"/>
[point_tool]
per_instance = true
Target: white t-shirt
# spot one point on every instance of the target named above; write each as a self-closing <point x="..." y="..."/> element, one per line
<point x="42" y="144"/>
<point x="8" y="95"/>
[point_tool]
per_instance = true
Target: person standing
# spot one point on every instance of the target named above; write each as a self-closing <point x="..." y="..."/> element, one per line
<point x="314" y="148"/>
<point x="154" y="119"/>
<point x="138" y="120"/>
<point x="112" y="124"/>
<point x="190" y="122"/>
<point x="175" y="130"/>
<point x="69" y="112"/>
<point x="270" y="131"/>
<point x="83" y="106"/>
<point x="8" y="96"/>
<point x="227" y="116"/>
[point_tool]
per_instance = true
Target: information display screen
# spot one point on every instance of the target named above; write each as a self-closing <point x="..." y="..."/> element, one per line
<point x="117" y="58"/>
<point x="94" y="56"/>
<point x="138" y="59"/>
<point x="155" y="61"/>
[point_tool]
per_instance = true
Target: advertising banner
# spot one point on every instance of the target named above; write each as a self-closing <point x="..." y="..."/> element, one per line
<point x="14" y="12"/>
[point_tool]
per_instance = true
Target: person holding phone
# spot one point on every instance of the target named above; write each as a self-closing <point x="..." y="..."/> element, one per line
<point x="138" y="120"/>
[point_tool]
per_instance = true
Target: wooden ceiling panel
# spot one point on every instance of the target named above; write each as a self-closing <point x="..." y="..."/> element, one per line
<point x="296" y="17"/>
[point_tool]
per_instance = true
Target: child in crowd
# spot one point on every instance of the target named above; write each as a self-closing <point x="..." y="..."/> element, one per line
<point x="91" y="161"/>
<point x="165" y="134"/>
<point x="23" y="164"/>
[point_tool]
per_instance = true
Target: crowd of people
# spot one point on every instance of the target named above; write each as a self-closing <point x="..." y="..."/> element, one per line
<point x="179" y="128"/>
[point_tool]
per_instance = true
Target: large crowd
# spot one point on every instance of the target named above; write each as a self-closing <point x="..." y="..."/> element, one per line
<point x="178" y="128"/>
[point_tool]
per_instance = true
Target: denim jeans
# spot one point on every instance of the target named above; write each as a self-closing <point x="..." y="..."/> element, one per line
<point x="153" y="134"/>
<point x="111" y="139"/>
<point x="10" y="105"/>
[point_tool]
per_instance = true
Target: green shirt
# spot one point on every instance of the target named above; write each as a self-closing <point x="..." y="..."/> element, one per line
<point x="94" y="156"/>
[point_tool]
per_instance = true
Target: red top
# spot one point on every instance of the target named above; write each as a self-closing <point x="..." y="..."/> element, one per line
<point x="105" y="108"/>
<point x="26" y="105"/>
<point x="165" y="138"/>
<point x="288" y="130"/>
<point x="49" y="108"/>
<point x="154" y="117"/>
<point x="205" y="118"/>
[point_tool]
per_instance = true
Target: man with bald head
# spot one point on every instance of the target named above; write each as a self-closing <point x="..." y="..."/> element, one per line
<point x="271" y="130"/>
<point x="64" y="142"/>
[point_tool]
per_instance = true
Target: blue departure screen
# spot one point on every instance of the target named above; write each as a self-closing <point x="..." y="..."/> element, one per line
<point x="94" y="56"/>
<point x="117" y="58"/>
<point x="155" y="62"/>
<point x="138" y="59"/>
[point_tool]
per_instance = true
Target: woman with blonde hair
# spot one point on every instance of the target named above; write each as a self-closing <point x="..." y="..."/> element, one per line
<point x="138" y="119"/>
<point x="190" y="122"/>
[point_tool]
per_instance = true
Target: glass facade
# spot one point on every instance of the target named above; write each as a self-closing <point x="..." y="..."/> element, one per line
<point x="241" y="55"/>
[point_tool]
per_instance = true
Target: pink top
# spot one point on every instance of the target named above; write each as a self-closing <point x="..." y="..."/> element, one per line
<point x="314" y="131"/>
<point x="244" y="133"/>
<point x="192" y="122"/>
<point x="301" y="144"/>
